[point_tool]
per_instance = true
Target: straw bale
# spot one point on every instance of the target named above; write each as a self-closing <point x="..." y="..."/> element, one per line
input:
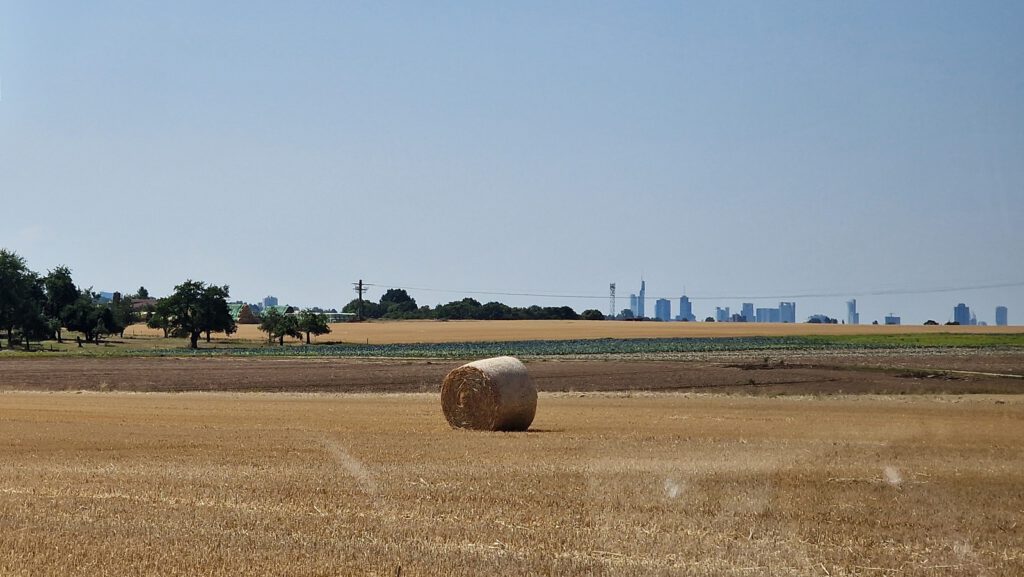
<point x="490" y="394"/>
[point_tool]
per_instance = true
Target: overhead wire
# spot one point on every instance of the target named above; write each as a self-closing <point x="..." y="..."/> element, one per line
<point x="876" y="292"/>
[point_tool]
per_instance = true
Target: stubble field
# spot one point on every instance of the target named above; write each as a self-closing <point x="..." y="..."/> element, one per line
<point x="390" y="332"/>
<point x="604" y="484"/>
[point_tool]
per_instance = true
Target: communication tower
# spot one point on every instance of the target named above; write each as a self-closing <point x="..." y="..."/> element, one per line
<point x="611" y="300"/>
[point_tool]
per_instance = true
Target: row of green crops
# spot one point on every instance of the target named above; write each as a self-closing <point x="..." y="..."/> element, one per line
<point x="598" y="347"/>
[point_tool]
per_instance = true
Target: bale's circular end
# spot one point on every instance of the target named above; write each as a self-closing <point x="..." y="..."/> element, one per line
<point x="489" y="395"/>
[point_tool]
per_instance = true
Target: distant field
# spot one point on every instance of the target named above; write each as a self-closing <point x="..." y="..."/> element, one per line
<point x="391" y="332"/>
<point x="606" y="484"/>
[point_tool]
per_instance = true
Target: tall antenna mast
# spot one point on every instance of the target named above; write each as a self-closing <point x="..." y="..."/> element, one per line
<point x="611" y="300"/>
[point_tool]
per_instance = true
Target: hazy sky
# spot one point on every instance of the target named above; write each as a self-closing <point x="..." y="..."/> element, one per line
<point x="731" y="148"/>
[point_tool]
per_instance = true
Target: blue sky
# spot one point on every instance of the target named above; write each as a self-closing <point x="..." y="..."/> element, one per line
<point x="728" y="148"/>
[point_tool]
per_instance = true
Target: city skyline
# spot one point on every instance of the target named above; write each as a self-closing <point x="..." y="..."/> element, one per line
<point x="785" y="312"/>
<point x="746" y="150"/>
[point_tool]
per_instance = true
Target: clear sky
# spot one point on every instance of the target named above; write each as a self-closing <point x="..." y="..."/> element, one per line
<point x="728" y="148"/>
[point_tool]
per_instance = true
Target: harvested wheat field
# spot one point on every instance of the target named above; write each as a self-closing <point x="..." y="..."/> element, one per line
<point x="391" y="332"/>
<point x="603" y="484"/>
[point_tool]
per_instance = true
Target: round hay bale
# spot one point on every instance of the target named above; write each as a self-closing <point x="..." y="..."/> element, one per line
<point x="489" y="395"/>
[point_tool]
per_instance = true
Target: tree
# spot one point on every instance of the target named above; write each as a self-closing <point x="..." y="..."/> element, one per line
<point x="61" y="292"/>
<point x="158" y="320"/>
<point x="371" y="310"/>
<point x="467" y="308"/>
<point x="495" y="311"/>
<point x="278" y="326"/>
<point x="592" y="315"/>
<point x="930" y="322"/>
<point x="91" y="319"/>
<point x="626" y="314"/>
<point x="195" y="308"/>
<point x="709" y="320"/>
<point x="396" y="303"/>
<point x="247" y="317"/>
<point x="123" y="312"/>
<point x="22" y="296"/>
<point x="310" y="322"/>
<point x="142" y="293"/>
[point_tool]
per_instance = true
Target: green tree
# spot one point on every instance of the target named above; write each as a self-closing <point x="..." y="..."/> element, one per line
<point x="467" y="308"/>
<point x="371" y="310"/>
<point x="278" y="326"/>
<point x="90" y="318"/>
<point x="61" y="292"/>
<point x="247" y="317"/>
<point x="22" y="296"/>
<point x="195" y="308"/>
<point x="142" y="293"/>
<point x="313" y="323"/>
<point x="495" y="311"/>
<point x="124" y="313"/>
<point x="158" y="320"/>
<point x="592" y="315"/>
<point x="396" y="303"/>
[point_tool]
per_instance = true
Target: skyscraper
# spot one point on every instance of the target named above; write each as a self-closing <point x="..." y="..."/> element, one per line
<point x="685" y="309"/>
<point x="1000" y="316"/>
<point x="663" y="309"/>
<point x="962" y="314"/>
<point x="722" y="315"/>
<point x="640" y="300"/>
<point x="852" y="316"/>
<point x="632" y="304"/>
<point x="767" y="315"/>
<point x="269" y="302"/>
<point x="748" y="312"/>
<point x="787" y="312"/>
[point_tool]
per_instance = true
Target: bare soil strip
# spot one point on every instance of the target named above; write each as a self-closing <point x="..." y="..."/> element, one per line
<point x="800" y="373"/>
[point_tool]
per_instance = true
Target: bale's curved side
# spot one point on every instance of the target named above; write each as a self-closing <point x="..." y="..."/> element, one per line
<point x="490" y="394"/>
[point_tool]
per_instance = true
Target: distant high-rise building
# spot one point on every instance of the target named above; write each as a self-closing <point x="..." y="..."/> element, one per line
<point x="767" y="315"/>
<point x="748" y="312"/>
<point x="663" y="309"/>
<point x="1000" y="316"/>
<point x="269" y="302"/>
<point x="787" y="312"/>
<point x="685" y="309"/>
<point x="640" y="299"/>
<point x="852" y="316"/>
<point x="892" y="319"/>
<point x="722" y="315"/>
<point x="962" y="314"/>
<point x="632" y="304"/>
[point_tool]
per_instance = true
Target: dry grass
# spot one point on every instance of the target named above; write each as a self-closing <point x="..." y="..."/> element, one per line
<point x="388" y="332"/>
<point x="221" y="484"/>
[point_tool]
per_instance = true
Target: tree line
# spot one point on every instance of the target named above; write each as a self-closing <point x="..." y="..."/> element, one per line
<point x="35" y="307"/>
<point x="397" y="304"/>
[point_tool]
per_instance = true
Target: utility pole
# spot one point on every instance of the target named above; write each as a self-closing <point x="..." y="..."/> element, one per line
<point x="359" y="289"/>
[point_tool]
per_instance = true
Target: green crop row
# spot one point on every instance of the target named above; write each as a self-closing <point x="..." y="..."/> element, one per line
<point x="581" y="347"/>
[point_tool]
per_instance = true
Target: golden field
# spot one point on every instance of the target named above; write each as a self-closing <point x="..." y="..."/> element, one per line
<point x="605" y="484"/>
<point x="389" y="332"/>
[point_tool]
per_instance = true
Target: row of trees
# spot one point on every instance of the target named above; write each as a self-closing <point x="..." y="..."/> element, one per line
<point x="36" y="307"/>
<point x="397" y="304"/>
<point x="192" y="310"/>
<point x="278" y="325"/>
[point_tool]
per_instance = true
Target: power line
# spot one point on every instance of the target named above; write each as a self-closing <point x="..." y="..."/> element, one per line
<point x="877" y="292"/>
